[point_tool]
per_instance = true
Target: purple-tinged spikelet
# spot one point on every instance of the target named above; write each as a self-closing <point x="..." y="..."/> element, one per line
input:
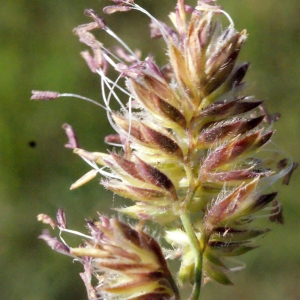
<point x="127" y="262"/>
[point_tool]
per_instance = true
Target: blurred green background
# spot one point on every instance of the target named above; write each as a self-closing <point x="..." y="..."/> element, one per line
<point x="39" y="51"/>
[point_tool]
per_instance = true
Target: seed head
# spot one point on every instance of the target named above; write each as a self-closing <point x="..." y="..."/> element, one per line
<point x="195" y="154"/>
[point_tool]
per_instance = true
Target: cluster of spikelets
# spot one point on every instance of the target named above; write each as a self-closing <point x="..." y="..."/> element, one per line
<point x="132" y="261"/>
<point x="193" y="158"/>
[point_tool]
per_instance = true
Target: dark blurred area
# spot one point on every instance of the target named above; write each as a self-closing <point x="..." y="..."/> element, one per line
<point x="38" y="51"/>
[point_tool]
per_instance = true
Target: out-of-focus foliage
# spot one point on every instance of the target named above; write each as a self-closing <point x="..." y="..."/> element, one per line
<point x="38" y="51"/>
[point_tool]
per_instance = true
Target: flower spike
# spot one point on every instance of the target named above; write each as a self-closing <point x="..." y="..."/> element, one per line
<point x="192" y="151"/>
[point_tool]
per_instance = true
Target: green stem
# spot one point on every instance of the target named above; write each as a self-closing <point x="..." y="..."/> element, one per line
<point x="186" y="222"/>
<point x="188" y="227"/>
